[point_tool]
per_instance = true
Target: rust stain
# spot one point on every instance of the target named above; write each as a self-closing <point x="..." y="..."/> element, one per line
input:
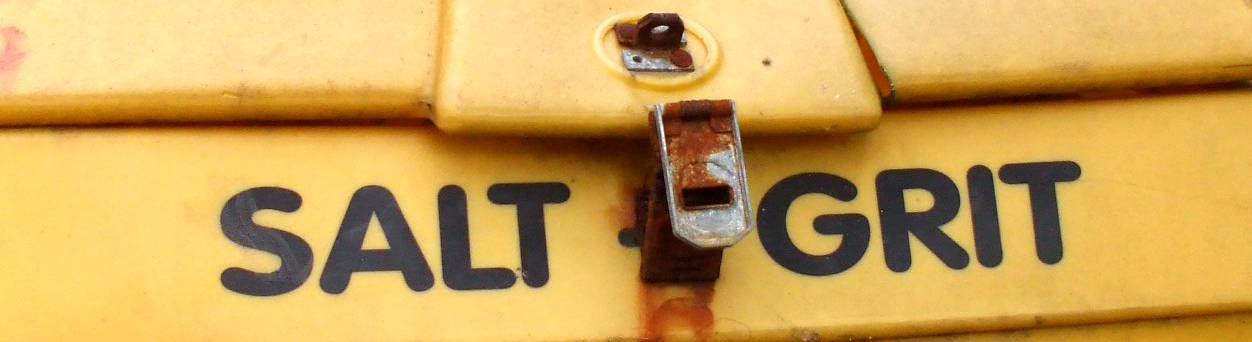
<point x="665" y="258"/>
<point x="11" y="55"/>
<point x="622" y="212"/>
<point x="676" y="311"/>
<point x="693" y="131"/>
<point x="666" y="310"/>
<point x="676" y="280"/>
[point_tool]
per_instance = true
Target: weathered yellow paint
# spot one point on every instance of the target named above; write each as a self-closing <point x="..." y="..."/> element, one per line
<point x="113" y="233"/>
<point x="142" y="61"/>
<point x="945" y="50"/>
<point x="533" y="68"/>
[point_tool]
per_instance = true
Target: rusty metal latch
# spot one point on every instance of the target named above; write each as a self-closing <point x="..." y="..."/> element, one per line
<point x="655" y="43"/>
<point x="697" y="201"/>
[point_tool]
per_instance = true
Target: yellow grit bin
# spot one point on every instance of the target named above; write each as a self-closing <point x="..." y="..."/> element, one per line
<point x="554" y="170"/>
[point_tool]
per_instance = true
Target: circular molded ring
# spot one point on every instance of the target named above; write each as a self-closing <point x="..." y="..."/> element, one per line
<point x="711" y="60"/>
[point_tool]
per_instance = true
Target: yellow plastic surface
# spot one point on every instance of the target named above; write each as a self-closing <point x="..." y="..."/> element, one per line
<point x="533" y="67"/>
<point x="114" y="233"/>
<point x="234" y="60"/>
<point x="1234" y="327"/>
<point x="539" y="67"/>
<point x="945" y="50"/>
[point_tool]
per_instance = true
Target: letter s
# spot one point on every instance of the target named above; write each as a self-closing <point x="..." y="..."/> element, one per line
<point x="295" y="254"/>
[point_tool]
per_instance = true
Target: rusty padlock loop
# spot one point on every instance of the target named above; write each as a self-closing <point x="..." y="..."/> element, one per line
<point x="660" y="31"/>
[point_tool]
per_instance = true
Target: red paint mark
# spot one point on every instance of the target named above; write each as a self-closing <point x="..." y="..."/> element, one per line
<point x="11" y="55"/>
<point x="673" y="309"/>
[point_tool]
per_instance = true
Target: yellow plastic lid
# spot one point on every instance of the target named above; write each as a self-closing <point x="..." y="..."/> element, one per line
<point x="965" y="49"/>
<point x="167" y="61"/>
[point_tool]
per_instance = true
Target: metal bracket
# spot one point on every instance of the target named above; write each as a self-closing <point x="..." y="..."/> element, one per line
<point x="654" y="44"/>
<point x="698" y="201"/>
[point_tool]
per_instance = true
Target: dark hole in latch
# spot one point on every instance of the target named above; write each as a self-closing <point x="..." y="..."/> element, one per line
<point x="707" y="197"/>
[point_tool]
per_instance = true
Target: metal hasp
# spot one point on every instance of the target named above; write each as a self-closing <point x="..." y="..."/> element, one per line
<point x="697" y="201"/>
<point x="655" y="43"/>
